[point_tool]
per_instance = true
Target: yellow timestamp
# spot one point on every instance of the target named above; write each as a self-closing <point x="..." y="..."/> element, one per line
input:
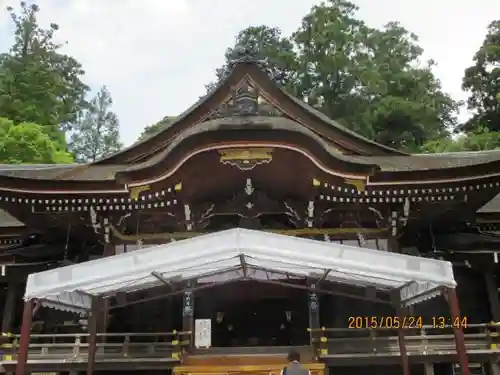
<point x="458" y="322"/>
<point x="374" y="322"/>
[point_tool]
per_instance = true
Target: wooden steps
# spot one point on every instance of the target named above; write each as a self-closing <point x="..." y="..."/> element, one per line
<point x="233" y="360"/>
<point x="256" y="363"/>
<point x="255" y="369"/>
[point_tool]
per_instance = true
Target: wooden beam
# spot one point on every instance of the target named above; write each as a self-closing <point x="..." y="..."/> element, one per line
<point x="161" y="278"/>
<point x="173" y="293"/>
<point x="323" y="277"/>
<point x="324" y="291"/>
<point x="367" y="232"/>
<point x="243" y="265"/>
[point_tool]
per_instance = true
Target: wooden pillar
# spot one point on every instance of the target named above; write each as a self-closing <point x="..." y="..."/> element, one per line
<point x="24" y="341"/>
<point x="393" y="244"/>
<point x="9" y="308"/>
<point x="401" y="313"/>
<point x="109" y="250"/>
<point x="102" y="319"/>
<point x="188" y="315"/>
<point x="94" y="315"/>
<point x="492" y="291"/>
<point x="452" y="299"/>
<point x="314" y="322"/>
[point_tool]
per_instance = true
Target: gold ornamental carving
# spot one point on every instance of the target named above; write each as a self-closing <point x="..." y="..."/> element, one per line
<point x="246" y="159"/>
<point x="136" y="190"/>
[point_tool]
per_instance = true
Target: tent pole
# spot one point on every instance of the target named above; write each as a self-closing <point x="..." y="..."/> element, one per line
<point x="450" y="295"/>
<point x="92" y="328"/>
<point x="401" y="313"/>
<point x="22" y="357"/>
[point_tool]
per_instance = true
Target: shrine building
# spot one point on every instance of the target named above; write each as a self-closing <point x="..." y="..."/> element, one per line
<point x="251" y="226"/>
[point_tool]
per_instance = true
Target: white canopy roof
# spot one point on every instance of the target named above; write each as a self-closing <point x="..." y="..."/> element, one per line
<point x="219" y="257"/>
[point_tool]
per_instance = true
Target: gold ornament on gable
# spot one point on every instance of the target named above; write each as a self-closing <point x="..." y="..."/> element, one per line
<point x="136" y="190"/>
<point x="360" y="185"/>
<point x="246" y="159"/>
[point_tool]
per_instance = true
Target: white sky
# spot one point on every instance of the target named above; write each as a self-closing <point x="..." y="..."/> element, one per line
<point x="155" y="56"/>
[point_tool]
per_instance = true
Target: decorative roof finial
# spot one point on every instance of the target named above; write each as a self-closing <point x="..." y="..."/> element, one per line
<point x="242" y="53"/>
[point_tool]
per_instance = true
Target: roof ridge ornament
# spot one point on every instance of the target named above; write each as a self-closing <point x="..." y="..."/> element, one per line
<point x="246" y="54"/>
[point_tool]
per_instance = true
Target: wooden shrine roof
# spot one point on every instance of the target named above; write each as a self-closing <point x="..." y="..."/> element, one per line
<point x="431" y="161"/>
<point x="247" y="108"/>
<point x="71" y="172"/>
<point x="416" y="162"/>
<point x="248" y="99"/>
<point x="250" y="71"/>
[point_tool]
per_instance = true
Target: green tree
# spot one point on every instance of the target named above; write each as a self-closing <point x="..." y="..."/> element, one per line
<point x="29" y="143"/>
<point x="38" y="83"/>
<point x="265" y="43"/>
<point x="482" y="139"/>
<point x="370" y="80"/>
<point x="407" y="103"/>
<point x="156" y="128"/>
<point x="482" y="80"/>
<point x="329" y="40"/>
<point x="96" y="133"/>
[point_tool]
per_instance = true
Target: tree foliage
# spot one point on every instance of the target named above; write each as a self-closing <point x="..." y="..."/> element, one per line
<point x="407" y="105"/>
<point x="481" y="139"/>
<point x="151" y="130"/>
<point x="29" y="143"/>
<point x="96" y="132"/>
<point x="38" y="83"/>
<point x="372" y="81"/>
<point x="482" y="80"/>
<point x="43" y="97"/>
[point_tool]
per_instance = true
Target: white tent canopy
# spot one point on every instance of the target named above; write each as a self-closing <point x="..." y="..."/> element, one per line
<point x="223" y="255"/>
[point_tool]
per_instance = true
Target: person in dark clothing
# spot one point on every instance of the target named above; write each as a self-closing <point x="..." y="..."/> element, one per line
<point x="294" y="367"/>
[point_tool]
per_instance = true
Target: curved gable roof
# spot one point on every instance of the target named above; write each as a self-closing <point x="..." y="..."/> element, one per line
<point x="329" y="129"/>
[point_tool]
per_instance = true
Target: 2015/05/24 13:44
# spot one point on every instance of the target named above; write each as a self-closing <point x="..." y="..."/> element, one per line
<point x="458" y="322"/>
<point x="374" y="322"/>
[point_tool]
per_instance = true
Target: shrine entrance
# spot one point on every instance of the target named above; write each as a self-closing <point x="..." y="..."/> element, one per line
<point x="255" y="314"/>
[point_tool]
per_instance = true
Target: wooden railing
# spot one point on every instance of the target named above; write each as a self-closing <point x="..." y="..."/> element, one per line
<point x="342" y="342"/>
<point x="74" y="347"/>
<point x="328" y="342"/>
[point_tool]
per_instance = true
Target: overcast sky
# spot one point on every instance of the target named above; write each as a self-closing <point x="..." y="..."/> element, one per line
<point x="155" y="56"/>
